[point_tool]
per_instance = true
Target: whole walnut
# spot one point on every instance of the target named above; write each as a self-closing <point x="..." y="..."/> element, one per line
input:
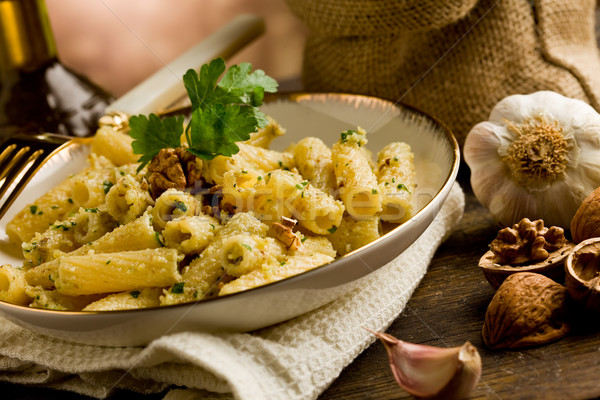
<point x="528" y="309"/>
<point x="586" y="221"/>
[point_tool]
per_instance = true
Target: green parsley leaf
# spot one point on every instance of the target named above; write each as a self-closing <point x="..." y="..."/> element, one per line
<point x="33" y="209"/>
<point x="178" y="288"/>
<point x="402" y="186"/>
<point x="180" y="205"/>
<point x="224" y="111"/>
<point x="151" y="134"/>
<point x="157" y="237"/>
<point x="135" y="294"/>
<point x="214" y="131"/>
<point x="106" y="185"/>
<point x="249" y="87"/>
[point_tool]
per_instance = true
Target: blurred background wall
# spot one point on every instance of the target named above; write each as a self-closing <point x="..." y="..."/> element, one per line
<point x="118" y="43"/>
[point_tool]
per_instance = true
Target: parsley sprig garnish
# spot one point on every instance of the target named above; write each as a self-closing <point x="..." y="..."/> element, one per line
<point x="224" y="111"/>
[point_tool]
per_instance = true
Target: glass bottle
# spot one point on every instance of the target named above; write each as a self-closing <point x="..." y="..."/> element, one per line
<point x="37" y="92"/>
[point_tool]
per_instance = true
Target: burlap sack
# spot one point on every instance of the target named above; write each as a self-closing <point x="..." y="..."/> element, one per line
<point x="452" y="59"/>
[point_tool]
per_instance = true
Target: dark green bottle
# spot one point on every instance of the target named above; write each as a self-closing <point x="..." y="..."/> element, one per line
<point x="37" y="92"/>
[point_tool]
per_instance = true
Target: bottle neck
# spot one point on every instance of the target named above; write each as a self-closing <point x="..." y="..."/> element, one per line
<point x="26" y="39"/>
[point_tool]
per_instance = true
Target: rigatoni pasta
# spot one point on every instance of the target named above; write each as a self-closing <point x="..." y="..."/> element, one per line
<point x="190" y="234"/>
<point x="106" y="240"/>
<point x="353" y="234"/>
<point x="315" y="252"/>
<point x="313" y="160"/>
<point x="13" y="285"/>
<point x="356" y="180"/>
<point x="249" y="157"/>
<point x="113" y="144"/>
<point x="117" y="272"/>
<point x="130" y="300"/>
<point x="397" y="183"/>
<point x="264" y="136"/>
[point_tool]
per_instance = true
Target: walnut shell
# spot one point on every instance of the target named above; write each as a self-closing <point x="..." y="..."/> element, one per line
<point x="586" y="221"/>
<point x="528" y="309"/>
<point x="582" y="270"/>
<point x="552" y="267"/>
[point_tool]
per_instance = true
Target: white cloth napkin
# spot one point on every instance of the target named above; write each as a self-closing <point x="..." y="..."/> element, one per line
<point x="297" y="359"/>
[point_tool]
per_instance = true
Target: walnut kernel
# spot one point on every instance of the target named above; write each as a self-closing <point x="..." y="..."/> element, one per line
<point x="526" y="241"/>
<point x="173" y="169"/>
<point x="526" y="247"/>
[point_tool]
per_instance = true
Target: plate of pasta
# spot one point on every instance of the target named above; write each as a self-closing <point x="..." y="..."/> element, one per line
<point x="104" y="250"/>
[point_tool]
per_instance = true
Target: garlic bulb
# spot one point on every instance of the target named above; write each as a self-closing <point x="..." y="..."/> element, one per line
<point x="433" y="372"/>
<point x="536" y="157"/>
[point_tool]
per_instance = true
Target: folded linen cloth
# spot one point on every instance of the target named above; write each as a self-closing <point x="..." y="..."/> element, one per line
<point x="297" y="359"/>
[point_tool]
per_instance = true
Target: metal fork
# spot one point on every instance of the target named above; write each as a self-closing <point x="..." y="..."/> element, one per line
<point x="22" y="156"/>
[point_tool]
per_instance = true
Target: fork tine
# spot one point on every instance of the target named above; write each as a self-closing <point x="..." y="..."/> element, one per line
<point x="12" y="164"/>
<point x="22" y="166"/>
<point x="5" y="154"/>
<point x="22" y="156"/>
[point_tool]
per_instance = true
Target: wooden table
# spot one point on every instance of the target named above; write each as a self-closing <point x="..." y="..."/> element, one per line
<point x="448" y="309"/>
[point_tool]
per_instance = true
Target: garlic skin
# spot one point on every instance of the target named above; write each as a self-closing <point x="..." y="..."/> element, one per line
<point x="536" y="157"/>
<point x="429" y="372"/>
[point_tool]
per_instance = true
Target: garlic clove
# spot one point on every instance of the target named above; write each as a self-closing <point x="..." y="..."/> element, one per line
<point x="433" y="372"/>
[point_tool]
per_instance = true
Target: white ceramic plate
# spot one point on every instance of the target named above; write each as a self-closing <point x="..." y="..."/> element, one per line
<point x="322" y="115"/>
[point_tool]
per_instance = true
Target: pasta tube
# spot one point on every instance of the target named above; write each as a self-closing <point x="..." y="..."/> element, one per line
<point x="243" y="253"/>
<point x="313" y="160"/>
<point x="396" y="176"/>
<point x="248" y="158"/>
<point x="190" y="234"/>
<point x="283" y="194"/>
<point x="89" y="189"/>
<point x="136" y="235"/>
<point x="358" y="184"/>
<point x="264" y="136"/>
<point x="353" y="234"/>
<point x="12" y="285"/>
<point x="65" y="236"/>
<point x="173" y="204"/>
<point x="203" y="275"/>
<point x="52" y="300"/>
<point x="114" y="145"/>
<point x="132" y="300"/>
<point x="316" y="251"/>
<point x="59" y="202"/>
<point x="117" y="272"/>
<point x="127" y="199"/>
